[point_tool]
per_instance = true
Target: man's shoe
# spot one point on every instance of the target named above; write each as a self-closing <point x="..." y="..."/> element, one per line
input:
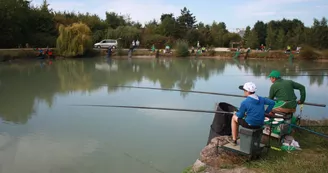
<point x="233" y="142"/>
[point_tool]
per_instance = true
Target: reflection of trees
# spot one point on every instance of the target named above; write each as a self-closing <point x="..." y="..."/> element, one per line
<point x="20" y="89"/>
<point x="74" y="75"/>
<point x="291" y="69"/>
<point x="24" y="85"/>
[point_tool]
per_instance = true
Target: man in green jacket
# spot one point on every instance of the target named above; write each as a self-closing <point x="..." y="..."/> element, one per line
<point x="283" y="91"/>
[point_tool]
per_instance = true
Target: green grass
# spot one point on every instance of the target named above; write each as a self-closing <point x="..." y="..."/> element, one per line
<point x="188" y="170"/>
<point x="312" y="158"/>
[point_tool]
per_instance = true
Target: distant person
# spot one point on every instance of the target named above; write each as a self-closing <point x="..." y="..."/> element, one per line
<point x="157" y="53"/>
<point x="247" y="52"/>
<point x="298" y="49"/>
<point x="50" y="54"/>
<point x="198" y="45"/>
<point x="153" y="48"/>
<point x="109" y="52"/>
<point x="253" y="106"/>
<point x="167" y="49"/>
<point x="262" y="48"/>
<point x="138" y="43"/>
<point x="192" y="49"/>
<point x="288" y="49"/>
<point x="283" y="91"/>
<point x="40" y="53"/>
<point x="130" y="51"/>
<point x="46" y="52"/>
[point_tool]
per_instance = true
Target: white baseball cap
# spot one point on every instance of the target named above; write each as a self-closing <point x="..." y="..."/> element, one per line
<point x="248" y="86"/>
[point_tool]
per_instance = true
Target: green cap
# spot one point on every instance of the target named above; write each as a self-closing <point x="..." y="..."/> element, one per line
<point x="274" y="74"/>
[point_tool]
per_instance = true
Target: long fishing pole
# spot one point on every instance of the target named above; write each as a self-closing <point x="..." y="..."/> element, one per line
<point x="312" y="69"/>
<point x="237" y="75"/>
<point x="203" y="92"/>
<point x="319" y="126"/>
<point x="157" y="108"/>
<point x="311" y="131"/>
<point x="189" y="110"/>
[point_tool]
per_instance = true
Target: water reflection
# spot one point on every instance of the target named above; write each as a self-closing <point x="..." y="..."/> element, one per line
<point x="24" y="85"/>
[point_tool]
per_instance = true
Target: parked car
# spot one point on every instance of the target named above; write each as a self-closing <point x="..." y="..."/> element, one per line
<point x="106" y="43"/>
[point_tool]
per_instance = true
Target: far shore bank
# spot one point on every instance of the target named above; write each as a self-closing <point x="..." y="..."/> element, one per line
<point x="30" y="53"/>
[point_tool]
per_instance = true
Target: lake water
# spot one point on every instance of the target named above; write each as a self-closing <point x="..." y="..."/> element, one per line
<point x="40" y="132"/>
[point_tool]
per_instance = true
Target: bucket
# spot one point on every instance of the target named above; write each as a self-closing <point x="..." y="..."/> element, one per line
<point x="221" y="125"/>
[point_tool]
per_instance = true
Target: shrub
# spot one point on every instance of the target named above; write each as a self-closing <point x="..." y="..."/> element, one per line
<point x="325" y="53"/>
<point x="158" y="40"/>
<point x="120" y="51"/>
<point x="309" y="52"/>
<point x="182" y="48"/>
<point x="211" y="51"/>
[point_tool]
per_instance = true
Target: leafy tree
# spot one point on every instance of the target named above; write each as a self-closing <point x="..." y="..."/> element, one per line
<point x="14" y="18"/>
<point x="252" y="40"/>
<point x="186" y="22"/>
<point x="271" y="37"/>
<point x="21" y="23"/>
<point x="163" y="16"/>
<point x="168" y="27"/>
<point x="74" y="40"/>
<point x="114" y="20"/>
<point x="281" y="39"/>
<point x="187" y="19"/>
<point x="218" y="30"/>
<point x="260" y="29"/>
<point x="246" y="34"/>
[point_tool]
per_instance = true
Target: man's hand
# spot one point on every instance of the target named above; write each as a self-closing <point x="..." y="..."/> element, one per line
<point x="299" y="102"/>
<point x="269" y="114"/>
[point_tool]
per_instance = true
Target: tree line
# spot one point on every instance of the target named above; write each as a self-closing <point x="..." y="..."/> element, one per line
<point x="39" y="26"/>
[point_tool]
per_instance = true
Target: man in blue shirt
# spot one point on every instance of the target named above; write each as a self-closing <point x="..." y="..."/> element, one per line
<point x="253" y="106"/>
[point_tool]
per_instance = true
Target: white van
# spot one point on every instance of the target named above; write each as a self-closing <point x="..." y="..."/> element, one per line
<point x="106" y="43"/>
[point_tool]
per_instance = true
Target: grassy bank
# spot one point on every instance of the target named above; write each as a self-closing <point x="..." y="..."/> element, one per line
<point x="215" y="54"/>
<point x="11" y="54"/>
<point x="312" y="158"/>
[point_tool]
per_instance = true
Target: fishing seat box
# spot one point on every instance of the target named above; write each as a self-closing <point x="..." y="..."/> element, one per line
<point x="250" y="140"/>
<point x="284" y="128"/>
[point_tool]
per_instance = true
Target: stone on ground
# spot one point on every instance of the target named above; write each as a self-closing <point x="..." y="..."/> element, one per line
<point x="215" y="158"/>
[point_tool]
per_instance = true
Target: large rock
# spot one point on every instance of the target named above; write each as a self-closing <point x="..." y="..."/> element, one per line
<point x="214" y="159"/>
<point x="215" y="156"/>
<point x="198" y="166"/>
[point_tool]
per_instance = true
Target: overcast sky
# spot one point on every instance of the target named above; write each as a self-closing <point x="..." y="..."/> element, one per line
<point x="235" y="13"/>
